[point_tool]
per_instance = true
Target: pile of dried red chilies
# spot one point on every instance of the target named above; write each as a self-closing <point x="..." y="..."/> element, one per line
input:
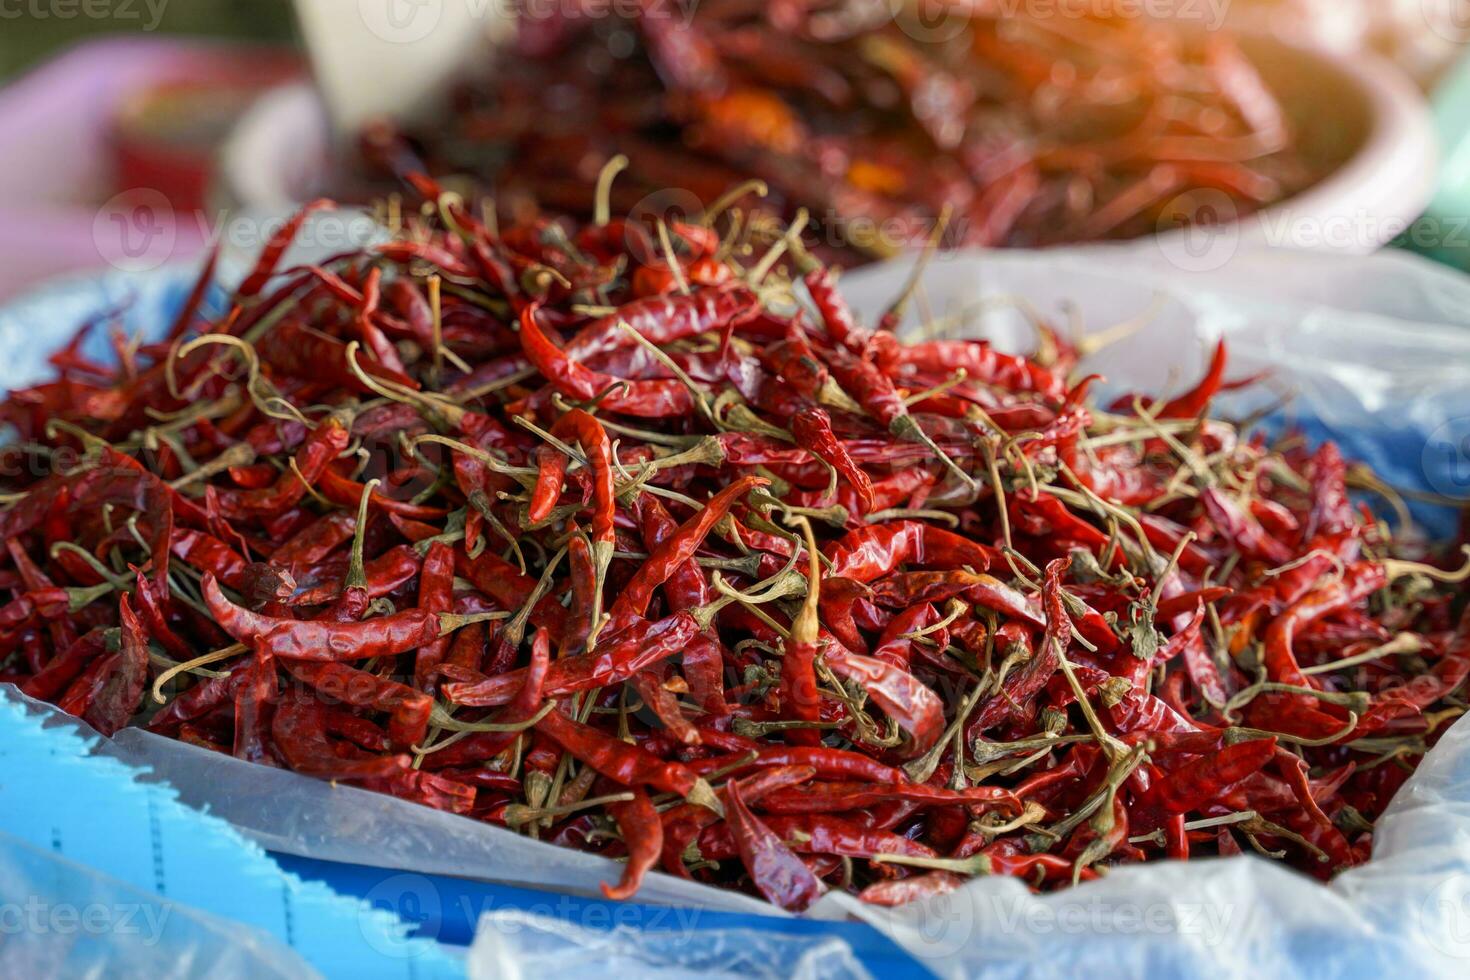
<point x="680" y="562"/>
<point x="1026" y="128"/>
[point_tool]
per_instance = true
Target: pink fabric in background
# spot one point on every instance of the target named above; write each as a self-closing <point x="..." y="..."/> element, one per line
<point x="56" y="157"/>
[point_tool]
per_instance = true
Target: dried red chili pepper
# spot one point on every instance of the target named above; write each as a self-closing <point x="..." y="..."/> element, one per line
<point x="638" y="822"/>
<point x="872" y="552"/>
<point x="346" y="493"/>
<point x="647" y="399"/>
<point x="618" y="659"/>
<point x="679" y="547"/>
<point x="774" y="869"/>
<point x="324" y="444"/>
<point x="111" y="690"/>
<point x="1359" y="581"/>
<point x="436" y="595"/>
<point x="624" y="763"/>
<point x="50" y="682"/>
<point x="254" y="697"/>
<point x="1195" y="784"/>
<point x="665" y="319"/>
<point x="815" y="833"/>
<point x="408" y="709"/>
<point x="270" y="257"/>
<point x="843" y="797"/>
<point x="523" y="707"/>
<point x="813" y="431"/>
<point x="328" y="641"/>
<point x="1195" y="401"/>
<point x="299" y="730"/>
<point x="683" y="823"/>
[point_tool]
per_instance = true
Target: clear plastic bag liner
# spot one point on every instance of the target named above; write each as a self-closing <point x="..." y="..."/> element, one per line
<point x="516" y="945"/>
<point x="285" y="812"/>
<point x="63" y="919"/>
<point x="98" y="867"/>
<point x="1376" y="352"/>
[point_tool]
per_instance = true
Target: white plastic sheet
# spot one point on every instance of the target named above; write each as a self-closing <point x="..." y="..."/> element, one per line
<point x="1377" y="351"/>
<point x="512" y="945"/>
<point x="61" y="919"/>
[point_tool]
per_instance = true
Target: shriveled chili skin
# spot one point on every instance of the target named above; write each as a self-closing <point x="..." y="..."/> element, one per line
<point x="409" y="709"/>
<point x="436" y="595"/>
<point x="828" y="763"/>
<point x="617" y="760"/>
<point x="873" y="552"/>
<point x="647" y="399"/>
<point x="322" y="641"/>
<point x="324" y="444"/>
<point x="665" y="319"/>
<point x="1191" y="786"/>
<point x="816" y="834"/>
<point x="111" y="691"/>
<point x="842" y="797"/>
<point x="642" y="831"/>
<point x="773" y="867"/>
<point x="640" y="646"/>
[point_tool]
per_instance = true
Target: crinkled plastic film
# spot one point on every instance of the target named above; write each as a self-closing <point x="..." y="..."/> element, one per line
<point x="1377" y="354"/>
<point x="161" y="889"/>
<point x="62" y="919"/>
<point x="515" y="945"/>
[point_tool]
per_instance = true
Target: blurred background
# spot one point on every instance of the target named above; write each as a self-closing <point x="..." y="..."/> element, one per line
<point x="133" y="130"/>
<point x="1421" y="34"/>
<point x="33" y="35"/>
